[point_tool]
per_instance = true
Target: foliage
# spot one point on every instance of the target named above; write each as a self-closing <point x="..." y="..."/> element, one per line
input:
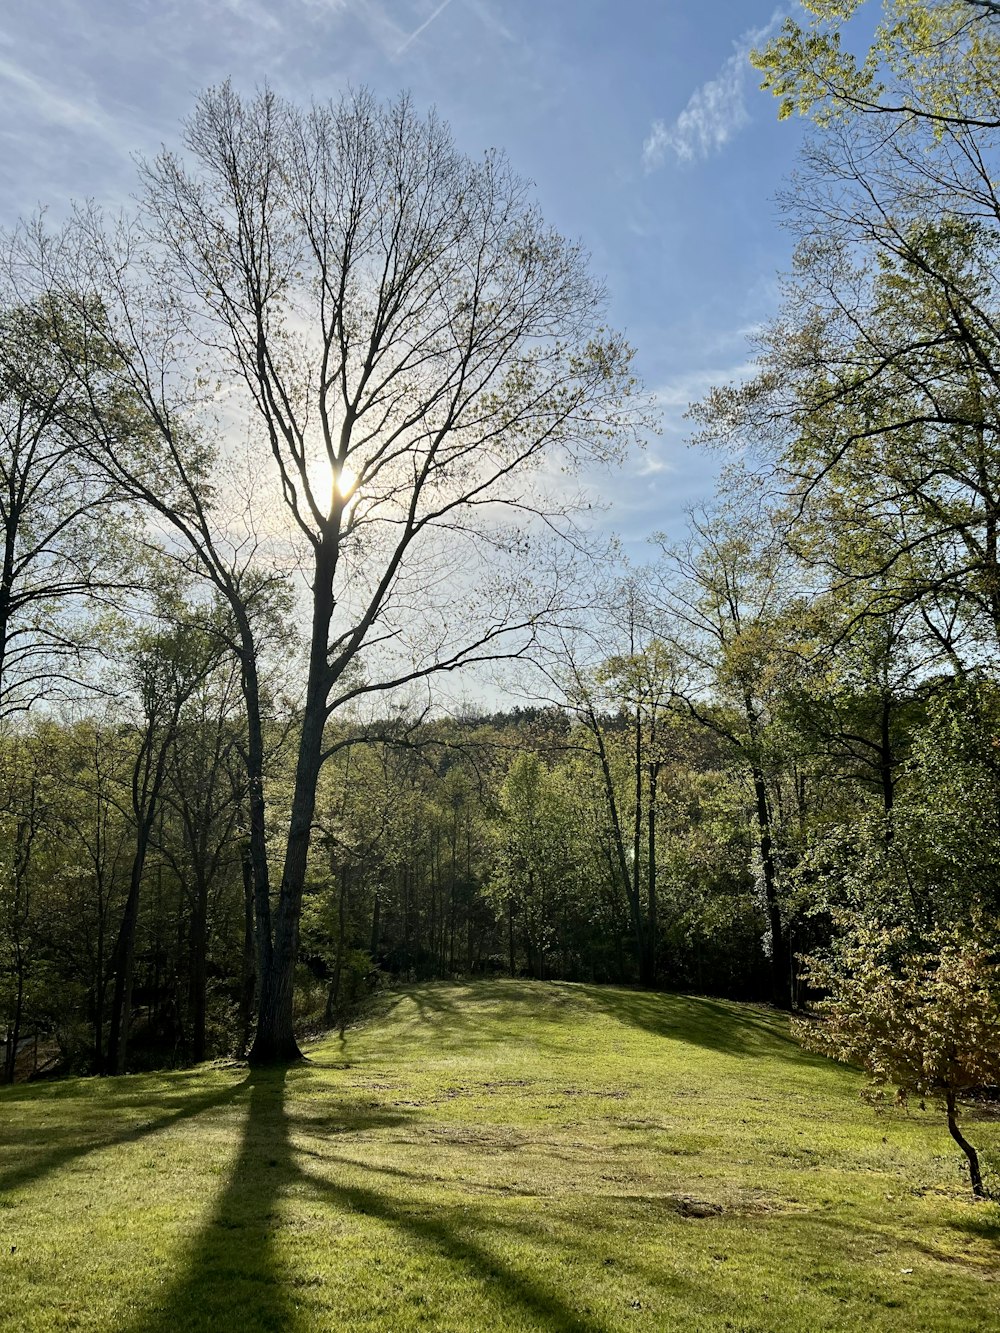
<point x="923" y="1019"/>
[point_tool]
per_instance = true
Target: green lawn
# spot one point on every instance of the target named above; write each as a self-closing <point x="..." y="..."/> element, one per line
<point x="500" y="1156"/>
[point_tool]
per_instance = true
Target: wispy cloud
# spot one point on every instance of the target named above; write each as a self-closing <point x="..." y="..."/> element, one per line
<point x="50" y="104"/>
<point x="715" y="112"/>
<point x="439" y="9"/>
<point x="674" y="397"/>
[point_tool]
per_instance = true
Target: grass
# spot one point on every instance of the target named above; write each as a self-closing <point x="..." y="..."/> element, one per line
<point x="499" y="1156"/>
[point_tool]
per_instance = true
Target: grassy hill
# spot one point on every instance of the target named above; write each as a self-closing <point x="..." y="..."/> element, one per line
<point x="498" y="1156"/>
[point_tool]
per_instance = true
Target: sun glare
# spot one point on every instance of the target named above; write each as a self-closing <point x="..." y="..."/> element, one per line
<point x="346" y="483"/>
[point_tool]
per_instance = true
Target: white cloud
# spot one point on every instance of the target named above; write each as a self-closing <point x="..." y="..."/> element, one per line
<point x="50" y="105"/>
<point x="715" y="112"/>
<point x="675" y="396"/>
<point x="439" y="9"/>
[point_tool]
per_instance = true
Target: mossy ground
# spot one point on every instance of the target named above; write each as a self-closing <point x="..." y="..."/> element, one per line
<point x="498" y="1156"/>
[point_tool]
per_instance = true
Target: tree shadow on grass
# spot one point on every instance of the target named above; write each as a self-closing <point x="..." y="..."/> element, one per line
<point x="72" y="1142"/>
<point x="983" y="1225"/>
<point x="237" y="1279"/>
<point x="233" y="1279"/>
<point x="717" y="1025"/>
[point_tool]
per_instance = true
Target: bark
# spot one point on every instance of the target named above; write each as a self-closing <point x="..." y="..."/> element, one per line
<point x="376" y="926"/>
<point x="255" y="795"/>
<point x="199" y="969"/>
<point x="248" y="990"/>
<point x="274" y="1042"/>
<point x="124" y="960"/>
<point x="147" y="784"/>
<point x="621" y="858"/>
<point x="333" y="995"/>
<point x="14" y="1032"/>
<point x="652" y="906"/>
<point x="975" y="1175"/>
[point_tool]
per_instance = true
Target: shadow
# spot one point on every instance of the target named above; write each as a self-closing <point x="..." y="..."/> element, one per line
<point x="37" y="1162"/>
<point x="234" y="1278"/>
<point x="237" y="1278"/>
<point x="510" y="1290"/>
<point x="724" y="1026"/>
<point x="985" y="1225"/>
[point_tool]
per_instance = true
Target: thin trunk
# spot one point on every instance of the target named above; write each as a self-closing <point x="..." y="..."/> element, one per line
<point x="14" y="1030"/>
<point x="257" y="848"/>
<point x="780" y="989"/>
<point x="124" y="963"/>
<point x="886" y="763"/>
<point x="975" y="1175"/>
<point x="199" y="968"/>
<point x="248" y="990"/>
<point x="652" y="908"/>
<point x="147" y="782"/>
<point x="618" y="837"/>
<point x="333" y="994"/>
<point x="375" y="944"/>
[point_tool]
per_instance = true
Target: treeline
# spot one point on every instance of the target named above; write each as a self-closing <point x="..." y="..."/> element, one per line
<point x="765" y="765"/>
<point x="698" y="813"/>
<point x="455" y="848"/>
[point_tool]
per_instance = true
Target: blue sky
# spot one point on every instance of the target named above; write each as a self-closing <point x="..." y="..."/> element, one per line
<point x="639" y="121"/>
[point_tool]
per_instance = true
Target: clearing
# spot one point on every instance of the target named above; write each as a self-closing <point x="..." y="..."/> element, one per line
<point x="498" y="1156"/>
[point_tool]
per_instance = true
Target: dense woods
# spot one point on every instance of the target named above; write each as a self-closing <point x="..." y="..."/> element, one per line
<point x="297" y="440"/>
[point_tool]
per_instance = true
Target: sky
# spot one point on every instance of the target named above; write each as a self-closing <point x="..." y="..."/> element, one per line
<point x="639" y="121"/>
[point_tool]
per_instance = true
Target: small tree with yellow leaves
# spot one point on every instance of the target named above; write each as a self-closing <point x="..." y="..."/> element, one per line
<point x="924" y="1020"/>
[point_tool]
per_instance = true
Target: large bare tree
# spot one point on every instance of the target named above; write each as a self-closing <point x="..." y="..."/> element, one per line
<point x="425" y="361"/>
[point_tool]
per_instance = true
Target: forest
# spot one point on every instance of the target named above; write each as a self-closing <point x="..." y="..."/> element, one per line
<point x="316" y="679"/>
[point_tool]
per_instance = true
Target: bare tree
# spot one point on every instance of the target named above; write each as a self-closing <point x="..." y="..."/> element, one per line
<point x="53" y="504"/>
<point x="426" y="360"/>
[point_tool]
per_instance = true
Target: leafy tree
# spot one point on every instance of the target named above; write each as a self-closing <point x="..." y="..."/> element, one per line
<point x="166" y="665"/>
<point x="537" y="875"/>
<point x="924" y="1020"/>
<point x="728" y="604"/>
<point x="932" y="61"/>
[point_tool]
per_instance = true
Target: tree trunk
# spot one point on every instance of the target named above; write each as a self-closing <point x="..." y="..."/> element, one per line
<point x="621" y="858"/>
<point x="376" y="927"/>
<point x="14" y="1032"/>
<point x="248" y="990"/>
<point x="257" y="849"/>
<point x="886" y="764"/>
<point x="652" y="908"/>
<point x="333" y="994"/>
<point x="274" y="1042"/>
<point x="199" y="969"/>
<point x="124" y="963"/>
<point x="975" y="1175"/>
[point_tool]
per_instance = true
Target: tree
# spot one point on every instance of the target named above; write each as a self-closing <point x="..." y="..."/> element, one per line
<point x="414" y="342"/>
<point x="58" y="539"/>
<point x="728" y="605"/>
<point x="930" y="61"/>
<point x="25" y="794"/>
<point x="538" y="870"/>
<point x="924" y="1019"/>
<point x="643" y="682"/>
<point x="205" y="789"/>
<point x="167" y="666"/>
